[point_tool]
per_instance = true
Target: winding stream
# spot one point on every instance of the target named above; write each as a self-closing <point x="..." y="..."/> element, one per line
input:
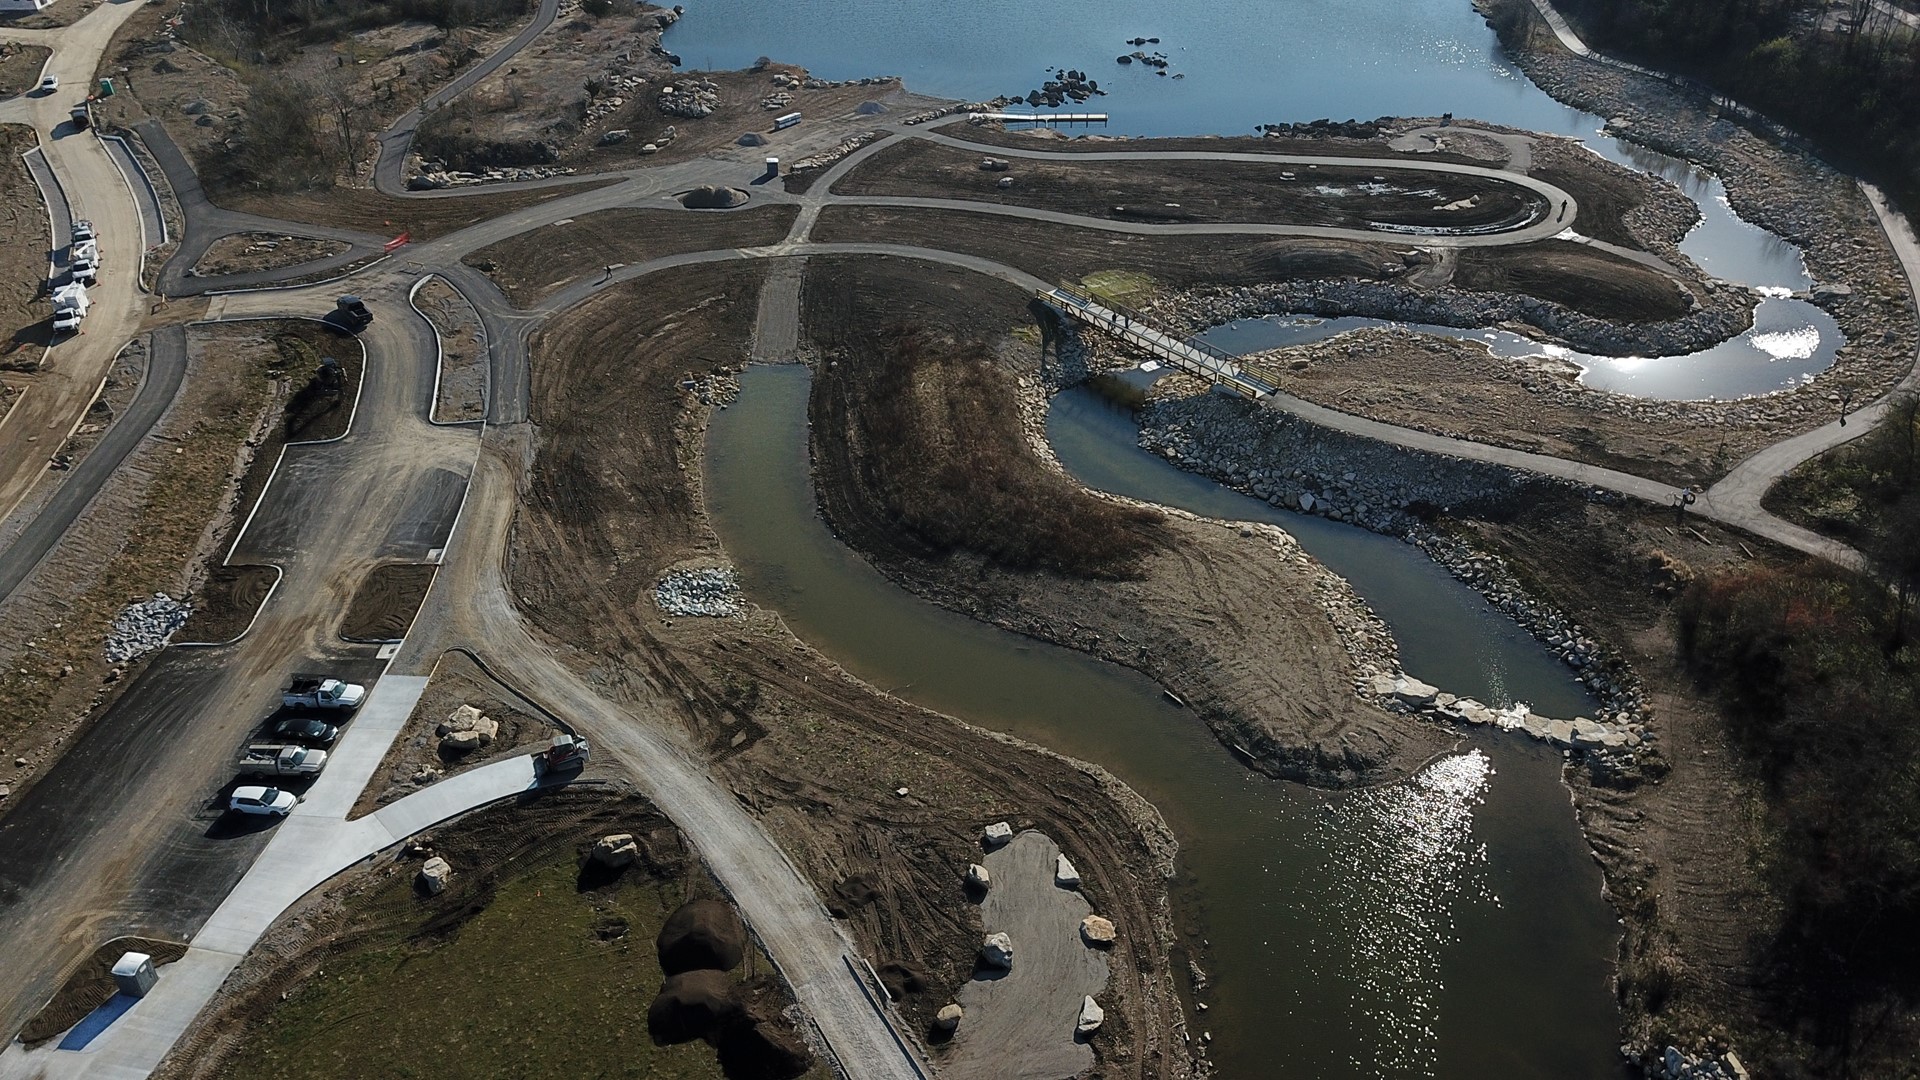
<point x="1451" y="926"/>
<point x="1448" y="927"/>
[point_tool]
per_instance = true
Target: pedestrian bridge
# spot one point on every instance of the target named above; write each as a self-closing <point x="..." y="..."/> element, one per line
<point x="1190" y="355"/>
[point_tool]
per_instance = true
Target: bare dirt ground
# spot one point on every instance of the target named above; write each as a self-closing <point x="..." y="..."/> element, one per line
<point x="225" y="603"/>
<point x="1585" y="279"/>
<point x="523" y="940"/>
<point x="382" y="607"/>
<point x="1177" y="191"/>
<point x="1233" y="621"/>
<point x="155" y="528"/>
<point x="461" y="391"/>
<point x="530" y="266"/>
<point x="24" y="244"/>
<point x="20" y="67"/>
<point x="816" y="754"/>
<point x="415" y="758"/>
<point x="1618" y="205"/>
<point x="1683" y="855"/>
<point x="245" y="252"/>
<point x="357" y="85"/>
<point x="370" y="211"/>
<point x="1066" y="253"/>
<point x="1459" y="388"/>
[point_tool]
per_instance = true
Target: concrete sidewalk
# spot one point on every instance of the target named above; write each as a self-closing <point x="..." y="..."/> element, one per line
<point x="312" y="844"/>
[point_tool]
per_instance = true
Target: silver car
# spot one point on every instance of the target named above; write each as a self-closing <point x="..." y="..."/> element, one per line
<point x="253" y="799"/>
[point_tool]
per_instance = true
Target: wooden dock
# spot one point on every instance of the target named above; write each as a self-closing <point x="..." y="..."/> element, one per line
<point x="1190" y="355"/>
<point x="1042" y="118"/>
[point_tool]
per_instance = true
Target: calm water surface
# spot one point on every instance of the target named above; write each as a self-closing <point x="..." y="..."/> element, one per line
<point x="1442" y="928"/>
<point x="1247" y="62"/>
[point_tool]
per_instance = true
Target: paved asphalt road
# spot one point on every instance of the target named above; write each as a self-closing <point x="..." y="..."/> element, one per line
<point x="166" y="366"/>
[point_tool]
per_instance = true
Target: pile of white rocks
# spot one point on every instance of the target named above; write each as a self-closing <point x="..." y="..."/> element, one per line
<point x="438" y="179"/>
<point x="779" y="99"/>
<point x="142" y="627"/>
<point x="1403" y="693"/>
<point x="713" y="592"/>
<point x="691" y="98"/>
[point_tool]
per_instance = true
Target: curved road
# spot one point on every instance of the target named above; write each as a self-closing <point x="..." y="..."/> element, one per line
<point x="393" y="454"/>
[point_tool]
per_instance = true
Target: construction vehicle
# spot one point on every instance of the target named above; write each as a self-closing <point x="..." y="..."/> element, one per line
<point x="278" y="760"/>
<point x="70" y="305"/>
<point x="322" y="692"/>
<point x="566" y="753"/>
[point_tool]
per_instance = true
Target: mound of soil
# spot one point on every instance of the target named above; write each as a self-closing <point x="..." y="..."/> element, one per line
<point x="701" y="934"/>
<point x="903" y="978"/>
<point x="384" y="605"/>
<point x="763" y="1051"/>
<point x="691" y="1005"/>
<point x="713" y="197"/>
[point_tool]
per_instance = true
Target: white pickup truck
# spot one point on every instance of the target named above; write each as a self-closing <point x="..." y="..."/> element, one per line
<point x="69" y="307"/>
<point x="282" y="761"/>
<point x="322" y="692"/>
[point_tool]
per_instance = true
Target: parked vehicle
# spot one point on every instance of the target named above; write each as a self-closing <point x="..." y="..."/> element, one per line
<point x="782" y="123"/>
<point x="352" y="313"/>
<point x="83" y="231"/>
<point x="70" y="305"/>
<point x="306" y="730"/>
<point x="262" y="800"/>
<point x="49" y="84"/>
<point x="322" y="692"/>
<point x="82" y="116"/>
<point x="85" y="262"/>
<point x="276" y="760"/>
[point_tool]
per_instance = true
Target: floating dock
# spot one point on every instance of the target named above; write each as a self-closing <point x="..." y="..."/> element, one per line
<point x="1042" y="118"/>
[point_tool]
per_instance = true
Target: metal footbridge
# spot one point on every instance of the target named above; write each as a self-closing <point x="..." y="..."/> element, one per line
<point x="1190" y="355"/>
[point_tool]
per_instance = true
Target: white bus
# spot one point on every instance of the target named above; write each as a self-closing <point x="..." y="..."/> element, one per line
<point x="784" y="122"/>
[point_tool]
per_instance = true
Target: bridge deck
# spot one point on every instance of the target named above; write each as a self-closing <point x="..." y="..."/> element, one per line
<point x="1189" y="355"/>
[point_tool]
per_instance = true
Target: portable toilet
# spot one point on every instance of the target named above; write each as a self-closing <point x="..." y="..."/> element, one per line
<point x="106" y="87"/>
<point x="773" y="166"/>
<point x="134" y="974"/>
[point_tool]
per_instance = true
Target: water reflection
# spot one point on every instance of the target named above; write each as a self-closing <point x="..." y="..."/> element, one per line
<point x="1397" y="859"/>
<point x="1790" y="342"/>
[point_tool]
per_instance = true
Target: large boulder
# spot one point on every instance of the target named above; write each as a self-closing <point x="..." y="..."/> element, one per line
<point x="467" y="728"/>
<point x="1096" y="930"/>
<point x="615" y="852"/>
<point x="701" y="934"/>
<point x="434" y="874"/>
<point x="948" y="1017"/>
<point x="996" y="834"/>
<point x="1064" y="875"/>
<point x="978" y="879"/>
<point x="1091" y="1017"/>
<point x="997" y="952"/>
<point x="691" y="1005"/>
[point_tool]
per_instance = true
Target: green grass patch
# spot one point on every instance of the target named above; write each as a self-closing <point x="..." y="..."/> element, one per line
<point x="545" y="980"/>
<point x="1129" y="287"/>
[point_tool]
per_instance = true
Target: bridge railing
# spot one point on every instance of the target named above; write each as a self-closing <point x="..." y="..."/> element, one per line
<point x="1189" y="354"/>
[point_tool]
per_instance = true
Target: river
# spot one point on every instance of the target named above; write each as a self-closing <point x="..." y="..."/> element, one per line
<point x="1445" y="927"/>
<point x="1448" y="927"/>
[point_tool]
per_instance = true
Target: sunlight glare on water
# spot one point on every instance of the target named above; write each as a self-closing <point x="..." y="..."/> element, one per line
<point x="1398" y="857"/>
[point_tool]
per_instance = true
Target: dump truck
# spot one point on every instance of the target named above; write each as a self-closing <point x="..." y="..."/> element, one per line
<point x="70" y="305"/>
<point x="322" y="692"/>
<point x="277" y="760"/>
